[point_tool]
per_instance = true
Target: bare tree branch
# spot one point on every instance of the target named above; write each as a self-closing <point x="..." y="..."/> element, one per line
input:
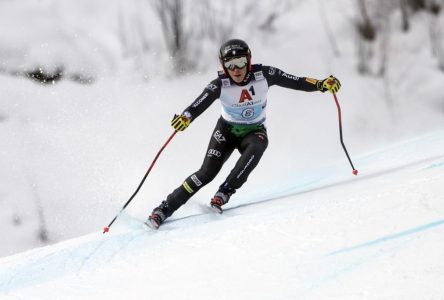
<point x="404" y="15"/>
<point x="328" y="31"/>
<point x="171" y="14"/>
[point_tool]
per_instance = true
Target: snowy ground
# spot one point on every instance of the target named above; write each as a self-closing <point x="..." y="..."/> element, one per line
<point x="332" y="236"/>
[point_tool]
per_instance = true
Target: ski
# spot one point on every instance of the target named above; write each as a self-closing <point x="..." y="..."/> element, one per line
<point x="151" y="223"/>
<point x="216" y="208"/>
<point x="211" y="208"/>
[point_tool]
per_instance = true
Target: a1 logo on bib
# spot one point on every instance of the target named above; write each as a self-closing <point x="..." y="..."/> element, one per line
<point x="245" y="95"/>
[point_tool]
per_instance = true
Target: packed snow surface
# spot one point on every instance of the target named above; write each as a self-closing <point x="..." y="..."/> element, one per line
<point x="326" y="235"/>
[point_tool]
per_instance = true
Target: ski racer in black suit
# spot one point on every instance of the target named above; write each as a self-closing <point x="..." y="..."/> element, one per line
<point x="242" y="90"/>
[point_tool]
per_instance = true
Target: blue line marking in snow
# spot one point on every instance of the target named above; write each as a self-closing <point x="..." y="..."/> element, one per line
<point x="389" y="237"/>
<point x="437" y="165"/>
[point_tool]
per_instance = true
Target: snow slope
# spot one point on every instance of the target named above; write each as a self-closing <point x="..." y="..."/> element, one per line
<point x="328" y="235"/>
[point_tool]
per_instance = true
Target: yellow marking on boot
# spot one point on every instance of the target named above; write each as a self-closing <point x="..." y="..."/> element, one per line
<point x="187" y="187"/>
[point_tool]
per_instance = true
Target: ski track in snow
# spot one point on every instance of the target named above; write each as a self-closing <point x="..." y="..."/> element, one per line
<point x="390" y="237"/>
<point x="78" y="259"/>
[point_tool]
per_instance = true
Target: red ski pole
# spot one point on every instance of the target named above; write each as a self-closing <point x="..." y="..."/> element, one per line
<point x="106" y="229"/>
<point x="355" y="172"/>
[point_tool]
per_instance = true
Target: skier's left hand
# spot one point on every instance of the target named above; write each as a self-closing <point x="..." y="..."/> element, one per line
<point x="330" y="84"/>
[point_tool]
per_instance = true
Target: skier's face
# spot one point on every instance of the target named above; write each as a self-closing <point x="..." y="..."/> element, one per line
<point x="237" y="74"/>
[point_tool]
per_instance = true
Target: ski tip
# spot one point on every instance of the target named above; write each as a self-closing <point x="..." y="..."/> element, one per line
<point x="105" y="229"/>
<point x="216" y="209"/>
<point x="355" y="172"/>
<point x="152" y="224"/>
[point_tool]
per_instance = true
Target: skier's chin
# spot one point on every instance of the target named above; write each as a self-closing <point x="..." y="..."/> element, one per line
<point x="238" y="78"/>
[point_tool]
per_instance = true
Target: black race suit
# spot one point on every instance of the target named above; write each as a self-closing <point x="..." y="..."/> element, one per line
<point x="249" y="138"/>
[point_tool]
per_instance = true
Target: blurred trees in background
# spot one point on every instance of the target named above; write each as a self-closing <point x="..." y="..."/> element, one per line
<point x="373" y="26"/>
<point x="436" y="28"/>
<point x="184" y="22"/>
<point x="171" y="14"/>
<point x="187" y="34"/>
<point x="211" y="22"/>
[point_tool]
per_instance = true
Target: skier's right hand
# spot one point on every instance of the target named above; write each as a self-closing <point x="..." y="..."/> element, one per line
<point x="180" y="122"/>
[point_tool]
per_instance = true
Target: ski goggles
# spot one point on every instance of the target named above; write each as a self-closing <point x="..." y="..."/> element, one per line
<point x="237" y="62"/>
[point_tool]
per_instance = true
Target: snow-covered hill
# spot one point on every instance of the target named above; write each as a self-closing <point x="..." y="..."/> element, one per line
<point x="326" y="235"/>
<point x="302" y="227"/>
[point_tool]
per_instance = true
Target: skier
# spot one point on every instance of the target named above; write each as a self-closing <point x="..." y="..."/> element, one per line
<point x="242" y="90"/>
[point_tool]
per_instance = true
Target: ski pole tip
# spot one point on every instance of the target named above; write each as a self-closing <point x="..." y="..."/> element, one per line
<point x="355" y="172"/>
<point x="105" y="229"/>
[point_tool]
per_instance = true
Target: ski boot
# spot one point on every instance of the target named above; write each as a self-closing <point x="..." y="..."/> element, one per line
<point x="157" y="217"/>
<point x="218" y="200"/>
